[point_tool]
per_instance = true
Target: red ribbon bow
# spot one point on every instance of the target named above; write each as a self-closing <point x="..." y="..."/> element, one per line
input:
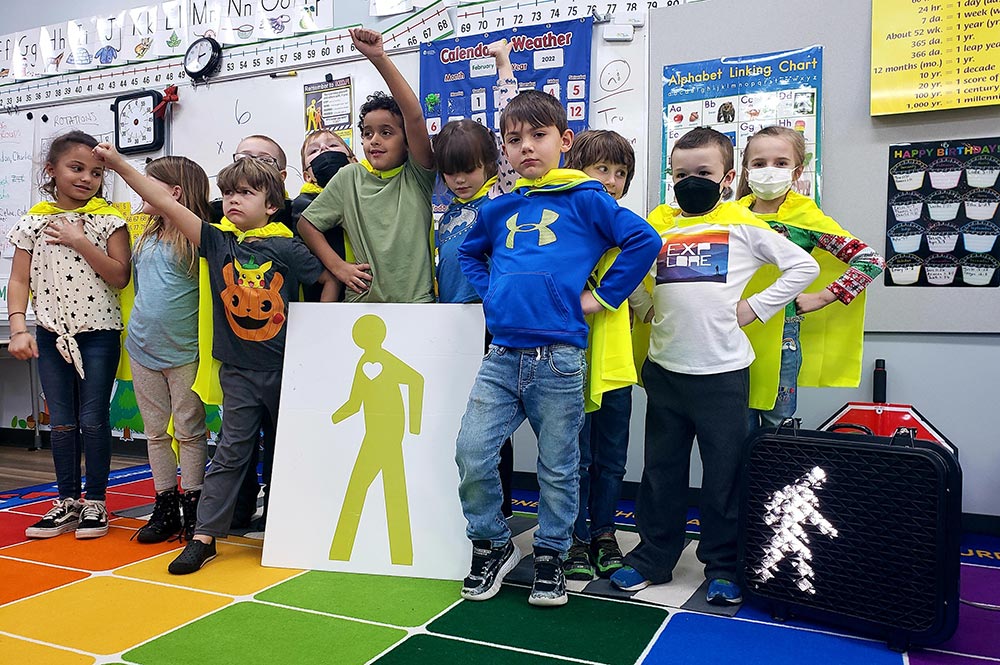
<point x="169" y="96"/>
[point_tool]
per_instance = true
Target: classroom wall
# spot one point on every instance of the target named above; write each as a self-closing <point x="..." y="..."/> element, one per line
<point x="951" y="379"/>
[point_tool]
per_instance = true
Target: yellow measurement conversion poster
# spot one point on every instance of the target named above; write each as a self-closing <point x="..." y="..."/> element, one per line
<point x="929" y="55"/>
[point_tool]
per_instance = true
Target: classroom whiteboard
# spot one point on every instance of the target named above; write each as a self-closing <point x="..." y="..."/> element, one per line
<point x="210" y="120"/>
<point x="855" y="145"/>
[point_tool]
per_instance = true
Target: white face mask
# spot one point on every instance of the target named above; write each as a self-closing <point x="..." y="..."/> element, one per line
<point x="770" y="182"/>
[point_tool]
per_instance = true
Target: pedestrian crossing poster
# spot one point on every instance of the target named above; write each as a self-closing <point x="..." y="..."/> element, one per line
<point x="364" y="477"/>
<point x="741" y="95"/>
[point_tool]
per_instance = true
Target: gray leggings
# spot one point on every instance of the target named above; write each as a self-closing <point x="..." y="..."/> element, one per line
<point x="160" y="394"/>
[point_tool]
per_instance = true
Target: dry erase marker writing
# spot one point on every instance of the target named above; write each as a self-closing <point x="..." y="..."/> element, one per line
<point x="275" y="75"/>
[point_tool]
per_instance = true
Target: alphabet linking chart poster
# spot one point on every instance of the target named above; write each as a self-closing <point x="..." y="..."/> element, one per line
<point x="739" y="96"/>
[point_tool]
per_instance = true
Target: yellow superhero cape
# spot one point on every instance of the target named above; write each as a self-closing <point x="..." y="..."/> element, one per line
<point x="385" y="175"/>
<point x="609" y="346"/>
<point x="664" y="218"/>
<point x="831" y="338"/>
<point x="553" y="181"/>
<point x="95" y="206"/>
<point x="483" y="191"/>
<point x="310" y="188"/>
<point x="206" y="383"/>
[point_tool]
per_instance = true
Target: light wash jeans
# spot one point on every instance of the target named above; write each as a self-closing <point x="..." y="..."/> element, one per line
<point x="788" y="380"/>
<point x="544" y="385"/>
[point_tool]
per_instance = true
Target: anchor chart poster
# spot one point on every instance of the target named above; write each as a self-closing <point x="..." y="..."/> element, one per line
<point x="739" y="96"/>
<point x="942" y="223"/>
<point x="364" y="474"/>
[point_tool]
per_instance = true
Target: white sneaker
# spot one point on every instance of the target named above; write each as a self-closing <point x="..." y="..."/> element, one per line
<point x="62" y="518"/>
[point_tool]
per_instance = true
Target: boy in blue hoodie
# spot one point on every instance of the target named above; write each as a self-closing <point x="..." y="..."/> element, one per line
<point x="542" y="242"/>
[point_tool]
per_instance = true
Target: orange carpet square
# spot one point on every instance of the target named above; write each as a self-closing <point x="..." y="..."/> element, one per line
<point x="236" y="571"/>
<point x="108" y="614"/>
<point x="21" y="579"/>
<point x="20" y="651"/>
<point x="111" y="551"/>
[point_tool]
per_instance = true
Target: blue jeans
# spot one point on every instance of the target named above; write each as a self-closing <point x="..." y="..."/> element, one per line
<point x="788" y="380"/>
<point x="79" y="409"/>
<point x="544" y="385"/>
<point x="603" y="452"/>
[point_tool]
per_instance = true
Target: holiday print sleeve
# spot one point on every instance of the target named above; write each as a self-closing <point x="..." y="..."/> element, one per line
<point x="506" y="175"/>
<point x="864" y="264"/>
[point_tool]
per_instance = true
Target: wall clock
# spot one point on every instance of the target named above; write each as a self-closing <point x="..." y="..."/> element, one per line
<point x="202" y="59"/>
<point x="137" y="129"/>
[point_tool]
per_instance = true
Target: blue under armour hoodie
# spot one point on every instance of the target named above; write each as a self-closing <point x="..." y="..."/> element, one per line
<point x="542" y="241"/>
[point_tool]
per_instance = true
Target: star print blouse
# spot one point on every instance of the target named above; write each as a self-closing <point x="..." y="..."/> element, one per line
<point x="69" y="297"/>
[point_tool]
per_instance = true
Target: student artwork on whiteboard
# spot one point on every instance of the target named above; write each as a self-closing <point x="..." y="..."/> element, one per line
<point x="364" y="473"/>
<point x="739" y="96"/>
<point x="942" y="219"/>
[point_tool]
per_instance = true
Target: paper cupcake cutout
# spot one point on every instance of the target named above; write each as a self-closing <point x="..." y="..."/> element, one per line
<point x="982" y="171"/>
<point x="942" y="206"/>
<point x="978" y="269"/>
<point x="908" y="174"/>
<point x="981" y="204"/>
<point x="907" y="206"/>
<point x="941" y="269"/>
<point x="905" y="237"/>
<point x="905" y="268"/>
<point x="945" y="173"/>
<point x="979" y="236"/>
<point x="942" y="238"/>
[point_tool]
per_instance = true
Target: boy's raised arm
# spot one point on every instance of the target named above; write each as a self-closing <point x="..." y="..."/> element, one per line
<point x="173" y="212"/>
<point x="369" y="43"/>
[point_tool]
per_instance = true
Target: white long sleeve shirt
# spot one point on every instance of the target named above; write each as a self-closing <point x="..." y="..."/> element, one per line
<point x="700" y="275"/>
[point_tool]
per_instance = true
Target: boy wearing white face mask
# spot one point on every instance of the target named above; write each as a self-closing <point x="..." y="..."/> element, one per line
<point x="697" y="372"/>
<point x="773" y="160"/>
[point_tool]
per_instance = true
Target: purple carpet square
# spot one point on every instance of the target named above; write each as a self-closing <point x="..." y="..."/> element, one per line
<point x="977" y="633"/>
<point x="938" y="658"/>
<point x="981" y="585"/>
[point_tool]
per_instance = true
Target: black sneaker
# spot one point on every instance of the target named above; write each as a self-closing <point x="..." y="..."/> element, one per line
<point x="189" y="513"/>
<point x="606" y="554"/>
<point x="549" y="587"/>
<point x="93" y="520"/>
<point x="61" y="518"/>
<point x="577" y="565"/>
<point x="195" y="555"/>
<point x="165" y="520"/>
<point x="489" y="566"/>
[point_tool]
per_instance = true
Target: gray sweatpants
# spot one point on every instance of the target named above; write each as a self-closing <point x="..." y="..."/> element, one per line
<point x="247" y="395"/>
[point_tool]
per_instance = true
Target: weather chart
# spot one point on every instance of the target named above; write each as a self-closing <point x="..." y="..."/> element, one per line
<point x="739" y="96"/>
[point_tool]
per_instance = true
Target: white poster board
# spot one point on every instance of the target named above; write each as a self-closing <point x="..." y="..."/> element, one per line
<point x="398" y="404"/>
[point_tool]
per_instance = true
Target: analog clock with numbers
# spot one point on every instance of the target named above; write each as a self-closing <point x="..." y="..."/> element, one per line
<point x="137" y="129"/>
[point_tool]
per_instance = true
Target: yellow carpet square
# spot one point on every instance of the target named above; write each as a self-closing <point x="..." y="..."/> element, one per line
<point x="236" y="571"/>
<point x="19" y="651"/>
<point x="108" y="614"/>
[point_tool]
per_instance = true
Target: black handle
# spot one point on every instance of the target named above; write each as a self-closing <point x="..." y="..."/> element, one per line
<point x="851" y="427"/>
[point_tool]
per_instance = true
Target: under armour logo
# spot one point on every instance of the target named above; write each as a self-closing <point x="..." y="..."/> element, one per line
<point x="545" y="234"/>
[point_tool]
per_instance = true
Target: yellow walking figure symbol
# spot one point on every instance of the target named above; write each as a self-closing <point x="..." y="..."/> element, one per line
<point x="376" y="389"/>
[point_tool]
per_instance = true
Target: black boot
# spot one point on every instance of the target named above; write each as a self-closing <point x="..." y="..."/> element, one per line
<point x="165" y="520"/>
<point x="189" y="506"/>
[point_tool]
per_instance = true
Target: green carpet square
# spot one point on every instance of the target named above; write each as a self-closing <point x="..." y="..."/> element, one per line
<point x="399" y="601"/>
<point x="254" y="633"/>
<point x="430" y="650"/>
<point x="587" y="628"/>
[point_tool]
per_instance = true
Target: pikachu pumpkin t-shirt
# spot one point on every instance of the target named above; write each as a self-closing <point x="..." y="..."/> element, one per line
<point x="252" y="283"/>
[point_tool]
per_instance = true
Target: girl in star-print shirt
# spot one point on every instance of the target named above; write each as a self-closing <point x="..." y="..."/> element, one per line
<point x="72" y="254"/>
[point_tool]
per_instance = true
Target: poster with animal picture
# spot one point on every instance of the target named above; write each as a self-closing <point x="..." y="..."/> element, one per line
<point x="741" y="95"/>
<point x="941" y="219"/>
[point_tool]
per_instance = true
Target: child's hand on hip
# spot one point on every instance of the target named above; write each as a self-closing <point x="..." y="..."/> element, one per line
<point x="589" y="303"/>
<point x="744" y="313"/>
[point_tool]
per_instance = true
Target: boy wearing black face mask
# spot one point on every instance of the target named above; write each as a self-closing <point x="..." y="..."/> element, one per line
<point x="697" y="373"/>
<point x="323" y="155"/>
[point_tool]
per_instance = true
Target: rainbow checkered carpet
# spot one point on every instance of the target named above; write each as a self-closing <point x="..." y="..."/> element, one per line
<point x="110" y="600"/>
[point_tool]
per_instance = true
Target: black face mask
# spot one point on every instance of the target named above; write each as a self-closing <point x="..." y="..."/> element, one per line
<point x="326" y="164"/>
<point x="696" y="195"/>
